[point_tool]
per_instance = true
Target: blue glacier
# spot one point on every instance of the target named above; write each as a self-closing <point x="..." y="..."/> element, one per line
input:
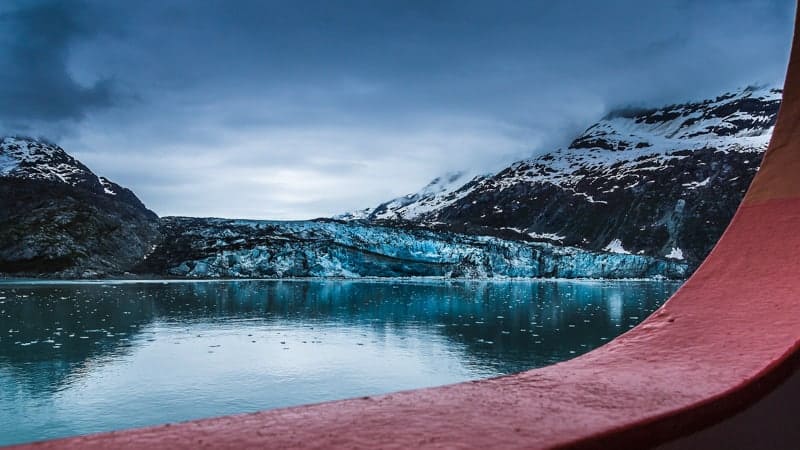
<point x="223" y="248"/>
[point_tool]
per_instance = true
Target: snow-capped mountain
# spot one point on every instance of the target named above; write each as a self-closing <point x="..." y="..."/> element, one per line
<point x="58" y="217"/>
<point x="662" y="182"/>
<point x="34" y="159"/>
<point x="438" y="194"/>
<point x="37" y="160"/>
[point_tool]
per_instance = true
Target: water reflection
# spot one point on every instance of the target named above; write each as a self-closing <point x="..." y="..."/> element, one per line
<point x="78" y="358"/>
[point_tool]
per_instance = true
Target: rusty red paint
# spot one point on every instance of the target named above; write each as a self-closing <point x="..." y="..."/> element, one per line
<point x="727" y="337"/>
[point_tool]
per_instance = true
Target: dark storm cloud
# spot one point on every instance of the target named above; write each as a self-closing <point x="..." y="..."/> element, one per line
<point x="35" y="85"/>
<point x="312" y="107"/>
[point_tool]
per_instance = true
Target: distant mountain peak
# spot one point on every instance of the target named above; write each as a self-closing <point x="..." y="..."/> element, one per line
<point x="744" y="113"/>
<point x="39" y="160"/>
<point x="58" y="218"/>
<point x="440" y="192"/>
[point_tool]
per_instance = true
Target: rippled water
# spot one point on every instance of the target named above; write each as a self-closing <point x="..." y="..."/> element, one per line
<point x="77" y="358"/>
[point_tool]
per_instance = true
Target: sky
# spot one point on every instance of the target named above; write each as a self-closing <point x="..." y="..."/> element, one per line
<point x="300" y="108"/>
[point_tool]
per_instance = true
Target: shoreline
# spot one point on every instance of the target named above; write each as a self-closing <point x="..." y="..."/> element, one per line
<point x="404" y="280"/>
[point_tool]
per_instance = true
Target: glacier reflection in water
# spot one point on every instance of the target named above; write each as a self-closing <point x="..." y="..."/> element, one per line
<point x="77" y="358"/>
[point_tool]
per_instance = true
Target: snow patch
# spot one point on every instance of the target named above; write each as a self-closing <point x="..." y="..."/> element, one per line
<point x="108" y="188"/>
<point x="39" y="160"/>
<point x="534" y="235"/>
<point x="696" y="184"/>
<point x="675" y="253"/>
<point x="7" y="164"/>
<point x="615" y="246"/>
<point x="548" y="236"/>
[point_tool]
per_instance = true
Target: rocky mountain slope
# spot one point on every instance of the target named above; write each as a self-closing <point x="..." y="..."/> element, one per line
<point x="662" y="182"/>
<point x="58" y="218"/>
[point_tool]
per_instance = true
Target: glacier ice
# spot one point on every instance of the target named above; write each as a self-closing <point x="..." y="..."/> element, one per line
<point x="329" y="248"/>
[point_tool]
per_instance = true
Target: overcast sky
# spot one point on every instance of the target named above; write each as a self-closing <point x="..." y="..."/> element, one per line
<point x="299" y="109"/>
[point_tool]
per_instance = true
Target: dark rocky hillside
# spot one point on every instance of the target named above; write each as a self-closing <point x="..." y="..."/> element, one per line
<point x="57" y="218"/>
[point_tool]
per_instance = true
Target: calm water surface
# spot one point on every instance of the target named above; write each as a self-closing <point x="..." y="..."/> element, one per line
<point x="77" y="358"/>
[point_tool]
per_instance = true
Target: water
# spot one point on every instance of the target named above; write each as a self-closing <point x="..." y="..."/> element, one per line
<point x="77" y="358"/>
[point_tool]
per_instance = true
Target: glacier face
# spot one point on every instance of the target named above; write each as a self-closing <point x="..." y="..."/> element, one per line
<point x="327" y="248"/>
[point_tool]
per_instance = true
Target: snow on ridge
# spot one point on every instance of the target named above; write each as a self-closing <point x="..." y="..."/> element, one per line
<point x="359" y="214"/>
<point x="36" y="159"/>
<point x="40" y="160"/>
<point x="437" y="194"/>
<point x="7" y="164"/>
<point x="27" y="150"/>
<point x="621" y="143"/>
<point x="108" y="187"/>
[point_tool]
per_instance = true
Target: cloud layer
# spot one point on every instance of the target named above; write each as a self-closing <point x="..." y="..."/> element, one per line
<point x="275" y="109"/>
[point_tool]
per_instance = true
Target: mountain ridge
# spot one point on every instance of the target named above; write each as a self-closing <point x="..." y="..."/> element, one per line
<point x="662" y="182"/>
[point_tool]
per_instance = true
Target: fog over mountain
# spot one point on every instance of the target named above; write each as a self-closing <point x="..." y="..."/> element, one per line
<point x="284" y="110"/>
